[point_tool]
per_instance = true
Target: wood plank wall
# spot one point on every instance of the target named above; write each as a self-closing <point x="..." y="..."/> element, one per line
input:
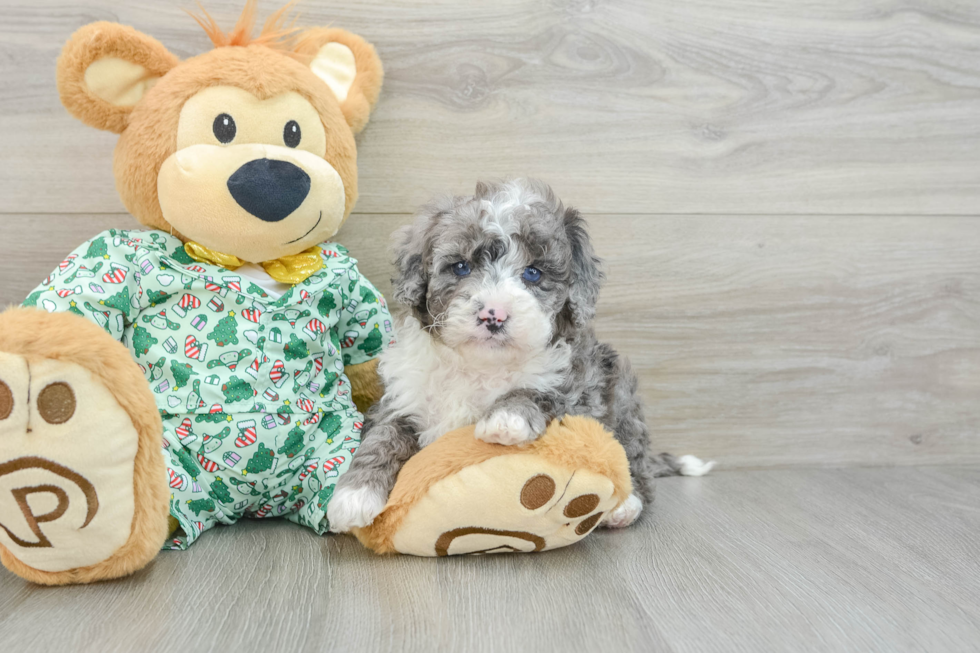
<point x="786" y="193"/>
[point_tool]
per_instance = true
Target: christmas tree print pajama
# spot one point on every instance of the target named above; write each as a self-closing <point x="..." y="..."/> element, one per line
<point x="258" y="417"/>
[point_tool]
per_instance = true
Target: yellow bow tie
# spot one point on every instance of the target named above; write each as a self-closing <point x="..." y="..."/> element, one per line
<point x="290" y="269"/>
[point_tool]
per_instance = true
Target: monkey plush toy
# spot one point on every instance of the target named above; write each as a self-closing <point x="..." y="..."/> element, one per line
<point x="234" y="332"/>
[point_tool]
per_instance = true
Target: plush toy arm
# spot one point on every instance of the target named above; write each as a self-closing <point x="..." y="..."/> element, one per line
<point x="96" y="282"/>
<point x="365" y="384"/>
<point x="365" y="323"/>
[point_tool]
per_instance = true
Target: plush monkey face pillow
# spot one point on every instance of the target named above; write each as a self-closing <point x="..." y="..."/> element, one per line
<point x="247" y="152"/>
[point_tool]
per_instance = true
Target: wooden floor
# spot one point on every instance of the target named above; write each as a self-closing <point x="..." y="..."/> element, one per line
<point x="822" y="560"/>
<point x="787" y="196"/>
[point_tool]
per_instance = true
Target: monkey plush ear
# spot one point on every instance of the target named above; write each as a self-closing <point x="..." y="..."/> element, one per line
<point x="105" y="69"/>
<point x="347" y="64"/>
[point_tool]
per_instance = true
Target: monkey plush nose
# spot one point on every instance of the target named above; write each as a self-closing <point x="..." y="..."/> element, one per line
<point x="269" y="189"/>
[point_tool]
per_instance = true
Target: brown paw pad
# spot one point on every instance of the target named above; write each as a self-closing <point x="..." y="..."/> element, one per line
<point x="538" y="491"/>
<point x="588" y="524"/>
<point x="56" y="403"/>
<point x="581" y="505"/>
<point x="6" y="401"/>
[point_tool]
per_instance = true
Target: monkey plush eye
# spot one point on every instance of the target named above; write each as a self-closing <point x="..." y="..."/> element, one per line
<point x="531" y="274"/>
<point x="224" y="128"/>
<point x="461" y="268"/>
<point x="291" y="135"/>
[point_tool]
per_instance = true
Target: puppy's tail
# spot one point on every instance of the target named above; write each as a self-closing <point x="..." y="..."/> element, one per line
<point x="666" y="464"/>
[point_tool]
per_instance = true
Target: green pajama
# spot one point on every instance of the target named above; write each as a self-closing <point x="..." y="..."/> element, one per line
<point x="258" y="418"/>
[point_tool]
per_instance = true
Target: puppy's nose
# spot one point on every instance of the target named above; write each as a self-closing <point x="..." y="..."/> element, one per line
<point x="269" y="189"/>
<point x="493" y="318"/>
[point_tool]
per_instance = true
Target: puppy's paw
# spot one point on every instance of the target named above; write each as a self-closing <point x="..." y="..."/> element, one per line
<point x="505" y="427"/>
<point x="354" y="507"/>
<point x="624" y="515"/>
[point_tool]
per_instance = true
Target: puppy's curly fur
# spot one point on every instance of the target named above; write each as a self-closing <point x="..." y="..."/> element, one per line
<point x="501" y="290"/>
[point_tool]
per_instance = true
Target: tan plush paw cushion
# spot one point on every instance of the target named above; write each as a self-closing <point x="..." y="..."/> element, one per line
<point x="461" y="495"/>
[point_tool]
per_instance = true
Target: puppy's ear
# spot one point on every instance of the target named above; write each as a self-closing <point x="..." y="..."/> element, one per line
<point x="409" y="286"/>
<point x="484" y="189"/>
<point x="105" y="69"/>
<point x="587" y="276"/>
<point x="412" y="280"/>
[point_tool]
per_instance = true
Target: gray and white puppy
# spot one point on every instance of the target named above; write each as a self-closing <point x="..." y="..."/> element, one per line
<point x="501" y="289"/>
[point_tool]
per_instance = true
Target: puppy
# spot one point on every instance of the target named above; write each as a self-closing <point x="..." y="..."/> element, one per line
<point x="501" y="288"/>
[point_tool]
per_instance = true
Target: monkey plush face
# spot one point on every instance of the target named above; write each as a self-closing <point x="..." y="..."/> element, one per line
<point x="247" y="149"/>
<point x="267" y="157"/>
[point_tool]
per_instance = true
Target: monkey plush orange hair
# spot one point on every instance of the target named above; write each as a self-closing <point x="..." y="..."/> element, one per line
<point x="235" y="332"/>
<point x="170" y="163"/>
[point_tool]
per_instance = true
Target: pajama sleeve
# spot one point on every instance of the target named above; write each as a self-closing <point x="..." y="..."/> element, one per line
<point x="365" y="324"/>
<point x="98" y="281"/>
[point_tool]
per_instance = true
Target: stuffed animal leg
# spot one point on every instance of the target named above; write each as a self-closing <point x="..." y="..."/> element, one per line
<point x="83" y="493"/>
<point x="460" y="495"/>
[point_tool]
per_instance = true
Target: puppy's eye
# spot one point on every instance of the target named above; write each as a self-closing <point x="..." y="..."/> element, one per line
<point x="531" y="274"/>
<point x="224" y="128"/>
<point x="291" y="134"/>
<point x="461" y="268"/>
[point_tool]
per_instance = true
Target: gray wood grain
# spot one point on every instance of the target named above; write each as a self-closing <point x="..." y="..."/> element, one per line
<point x="783" y="193"/>
<point x="704" y="106"/>
<point x="819" y="560"/>
<point x="759" y="341"/>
